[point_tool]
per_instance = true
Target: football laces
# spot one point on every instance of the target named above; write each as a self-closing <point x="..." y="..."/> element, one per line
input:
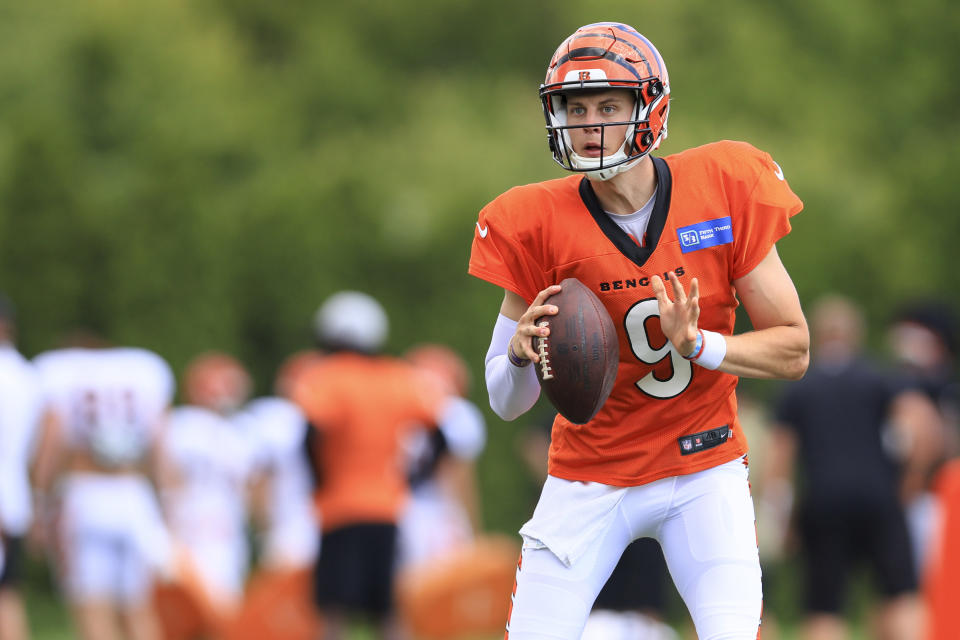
<point x="545" y="370"/>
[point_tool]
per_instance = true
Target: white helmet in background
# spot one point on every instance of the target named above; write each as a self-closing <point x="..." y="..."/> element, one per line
<point x="351" y="320"/>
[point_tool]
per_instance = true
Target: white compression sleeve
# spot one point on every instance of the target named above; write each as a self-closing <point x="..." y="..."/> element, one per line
<point x="513" y="390"/>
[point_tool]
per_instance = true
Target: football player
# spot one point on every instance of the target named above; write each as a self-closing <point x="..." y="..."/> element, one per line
<point x="277" y="429"/>
<point x="837" y="427"/>
<point x="360" y="405"/>
<point x="107" y="406"/>
<point x="20" y="412"/>
<point x="923" y="341"/>
<point x="292" y="366"/>
<point x="671" y="245"/>
<point x="285" y="526"/>
<point x="208" y="462"/>
<point x="443" y="512"/>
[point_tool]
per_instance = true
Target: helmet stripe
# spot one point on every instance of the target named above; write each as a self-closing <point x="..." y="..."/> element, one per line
<point x="633" y="32"/>
<point x="659" y="58"/>
<point x="596" y="52"/>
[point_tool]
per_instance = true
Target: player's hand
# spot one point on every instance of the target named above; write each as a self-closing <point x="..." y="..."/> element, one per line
<point x="522" y="341"/>
<point x="678" y="317"/>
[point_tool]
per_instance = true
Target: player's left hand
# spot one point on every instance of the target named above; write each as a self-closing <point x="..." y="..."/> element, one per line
<point x="678" y="317"/>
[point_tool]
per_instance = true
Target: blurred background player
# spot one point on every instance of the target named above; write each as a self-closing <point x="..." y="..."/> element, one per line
<point x="278" y="600"/>
<point x="773" y="504"/>
<point x="20" y="411"/>
<point x="361" y="405"/>
<point x="941" y="580"/>
<point x="923" y="342"/>
<point x="107" y="406"/>
<point x="291" y="368"/>
<point x="283" y="505"/>
<point x="841" y="423"/>
<point x="452" y="574"/>
<point x="443" y="513"/>
<point x="208" y="460"/>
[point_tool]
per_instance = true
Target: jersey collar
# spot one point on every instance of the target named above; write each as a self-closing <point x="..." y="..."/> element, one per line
<point x="658" y="217"/>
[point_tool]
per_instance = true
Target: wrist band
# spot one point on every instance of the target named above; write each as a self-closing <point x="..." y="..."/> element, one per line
<point x="713" y="351"/>
<point x="697" y="347"/>
<point x="516" y="360"/>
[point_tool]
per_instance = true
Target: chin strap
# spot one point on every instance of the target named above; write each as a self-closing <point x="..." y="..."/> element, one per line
<point x="605" y="174"/>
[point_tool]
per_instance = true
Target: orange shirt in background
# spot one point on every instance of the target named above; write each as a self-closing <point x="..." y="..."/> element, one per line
<point x="364" y="408"/>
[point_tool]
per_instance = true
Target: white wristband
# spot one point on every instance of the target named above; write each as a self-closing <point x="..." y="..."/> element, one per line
<point x="714" y="350"/>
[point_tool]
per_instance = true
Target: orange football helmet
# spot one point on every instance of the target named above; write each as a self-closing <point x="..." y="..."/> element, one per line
<point x="291" y="370"/>
<point x="599" y="56"/>
<point x="444" y="364"/>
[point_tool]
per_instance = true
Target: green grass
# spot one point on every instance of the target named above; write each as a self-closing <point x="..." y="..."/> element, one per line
<point x="49" y="617"/>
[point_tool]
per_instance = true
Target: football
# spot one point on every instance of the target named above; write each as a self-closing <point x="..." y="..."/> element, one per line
<point x="578" y="360"/>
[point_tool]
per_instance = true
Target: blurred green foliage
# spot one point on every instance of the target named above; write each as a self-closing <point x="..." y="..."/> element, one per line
<point x="194" y="174"/>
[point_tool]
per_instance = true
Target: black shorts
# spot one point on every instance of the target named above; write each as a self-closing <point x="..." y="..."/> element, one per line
<point x="638" y="581"/>
<point x="838" y="540"/>
<point x="355" y="569"/>
<point x="12" y="573"/>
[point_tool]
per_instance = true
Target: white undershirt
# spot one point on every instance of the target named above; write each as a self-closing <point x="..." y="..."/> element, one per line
<point x="635" y="223"/>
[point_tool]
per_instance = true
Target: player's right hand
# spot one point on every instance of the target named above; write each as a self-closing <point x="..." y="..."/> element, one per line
<point x="678" y="317"/>
<point x="522" y="341"/>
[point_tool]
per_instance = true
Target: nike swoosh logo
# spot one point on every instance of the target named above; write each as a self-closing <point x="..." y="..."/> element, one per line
<point x="778" y="172"/>
<point x="483" y="230"/>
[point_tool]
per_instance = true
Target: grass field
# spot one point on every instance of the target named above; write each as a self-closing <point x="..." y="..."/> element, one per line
<point x="50" y="620"/>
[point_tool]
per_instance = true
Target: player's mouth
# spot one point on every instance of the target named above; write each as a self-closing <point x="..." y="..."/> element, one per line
<point x="592" y="150"/>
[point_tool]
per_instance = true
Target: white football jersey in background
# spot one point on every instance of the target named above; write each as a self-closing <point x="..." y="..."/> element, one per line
<point x="20" y="414"/>
<point x="434" y="522"/>
<point x="111" y="401"/>
<point x="206" y="507"/>
<point x="277" y="430"/>
<point x="111" y="404"/>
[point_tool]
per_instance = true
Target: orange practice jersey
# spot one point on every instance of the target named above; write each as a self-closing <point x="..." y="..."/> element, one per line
<point x="364" y="408"/>
<point x="719" y="210"/>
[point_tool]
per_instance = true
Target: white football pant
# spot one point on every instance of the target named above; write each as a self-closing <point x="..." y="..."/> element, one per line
<point x="704" y="523"/>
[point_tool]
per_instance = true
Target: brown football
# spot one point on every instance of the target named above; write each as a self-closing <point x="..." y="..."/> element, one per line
<point x="578" y="360"/>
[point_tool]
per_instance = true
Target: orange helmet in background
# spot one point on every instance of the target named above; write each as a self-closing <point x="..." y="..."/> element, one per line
<point x="293" y="367"/>
<point x="217" y="381"/>
<point x="444" y="364"/>
<point x="607" y="55"/>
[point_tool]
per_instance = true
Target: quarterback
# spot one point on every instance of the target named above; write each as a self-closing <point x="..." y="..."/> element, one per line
<point x="671" y="246"/>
